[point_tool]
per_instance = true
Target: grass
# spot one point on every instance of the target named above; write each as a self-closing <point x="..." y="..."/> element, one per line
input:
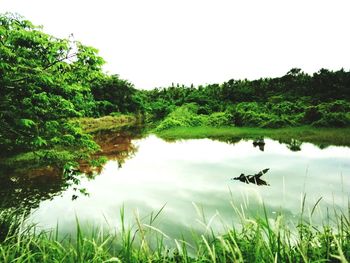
<point x="92" y="125"/>
<point x="319" y="136"/>
<point x="255" y="240"/>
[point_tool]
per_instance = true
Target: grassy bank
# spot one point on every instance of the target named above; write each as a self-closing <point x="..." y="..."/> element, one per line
<point x="91" y="125"/>
<point x="320" y="136"/>
<point x="255" y="240"/>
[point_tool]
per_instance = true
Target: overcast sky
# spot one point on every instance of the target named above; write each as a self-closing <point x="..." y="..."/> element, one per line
<point x="153" y="43"/>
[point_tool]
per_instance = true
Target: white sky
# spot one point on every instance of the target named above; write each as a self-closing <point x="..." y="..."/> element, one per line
<point x="153" y="43"/>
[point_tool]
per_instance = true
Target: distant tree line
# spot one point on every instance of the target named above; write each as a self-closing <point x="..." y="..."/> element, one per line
<point x="297" y="98"/>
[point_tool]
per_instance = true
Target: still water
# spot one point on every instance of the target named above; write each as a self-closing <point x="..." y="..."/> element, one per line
<point x="192" y="180"/>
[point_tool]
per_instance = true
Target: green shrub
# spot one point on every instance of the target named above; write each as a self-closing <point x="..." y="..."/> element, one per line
<point x="334" y="106"/>
<point x="169" y="123"/>
<point x="276" y="99"/>
<point x="312" y="114"/>
<point x="184" y="116"/>
<point x="160" y="109"/>
<point x="218" y="119"/>
<point x="288" y="108"/>
<point x="250" y="118"/>
<point x="249" y="106"/>
<point x="339" y="106"/>
<point x="206" y="110"/>
<point x="331" y="119"/>
<point x="328" y="114"/>
<point x="297" y="119"/>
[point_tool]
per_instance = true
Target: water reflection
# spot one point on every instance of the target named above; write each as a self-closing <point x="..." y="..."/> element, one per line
<point x="23" y="188"/>
<point x="184" y="173"/>
<point x="260" y="143"/>
<point x="253" y="179"/>
<point x="118" y="145"/>
<point x="295" y="145"/>
<point x="144" y="174"/>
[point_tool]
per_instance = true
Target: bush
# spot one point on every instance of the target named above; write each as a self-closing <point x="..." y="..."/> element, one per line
<point x="287" y="108"/>
<point x="312" y="114"/>
<point x="336" y="106"/>
<point x="337" y="119"/>
<point x="160" y="109"/>
<point x="218" y="119"/>
<point x="276" y="99"/>
<point x="184" y="116"/>
<point x="169" y="123"/>
<point x="249" y="106"/>
<point x="250" y="118"/>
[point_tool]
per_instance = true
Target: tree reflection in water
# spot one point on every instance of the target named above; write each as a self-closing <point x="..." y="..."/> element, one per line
<point x="23" y="188"/>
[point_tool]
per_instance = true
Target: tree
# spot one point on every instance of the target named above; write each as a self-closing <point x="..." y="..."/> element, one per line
<point x="43" y="81"/>
<point x="115" y="93"/>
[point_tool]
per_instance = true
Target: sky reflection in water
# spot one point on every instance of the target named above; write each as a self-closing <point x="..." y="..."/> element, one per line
<point x="181" y="174"/>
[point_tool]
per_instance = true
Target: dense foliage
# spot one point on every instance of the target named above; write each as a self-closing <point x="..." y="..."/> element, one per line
<point x="44" y="81"/>
<point x="113" y="95"/>
<point x="292" y="100"/>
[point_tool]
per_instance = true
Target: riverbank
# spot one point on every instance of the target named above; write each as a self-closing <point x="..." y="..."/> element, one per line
<point x="319" y="136"/>
<point x="92" y="125"/>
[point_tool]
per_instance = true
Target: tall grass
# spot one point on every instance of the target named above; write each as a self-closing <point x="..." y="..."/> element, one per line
<point x="259" y="239"/>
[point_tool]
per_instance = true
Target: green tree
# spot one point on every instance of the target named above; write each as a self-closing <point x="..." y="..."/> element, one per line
<point x="43" y="81"/>
<point x="115" y="95"/>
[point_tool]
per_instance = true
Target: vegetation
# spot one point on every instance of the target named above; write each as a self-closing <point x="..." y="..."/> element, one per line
<point x="261" y="114"/>
<point x="92" y="125"/>
<point x="55" y="97"/>
<point x="292" y="100"/>
<point x="44" y="82"/>
<point x="256" y="240"/>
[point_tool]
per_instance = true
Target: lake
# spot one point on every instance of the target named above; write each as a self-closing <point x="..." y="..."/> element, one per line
<point x="190" y="181"/>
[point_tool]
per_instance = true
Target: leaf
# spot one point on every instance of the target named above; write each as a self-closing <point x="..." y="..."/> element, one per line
<point x="68" y="139"/>
<point x="55" y="140"/>
<point x="27" y="123"/>
<point x="38" y="141"/>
